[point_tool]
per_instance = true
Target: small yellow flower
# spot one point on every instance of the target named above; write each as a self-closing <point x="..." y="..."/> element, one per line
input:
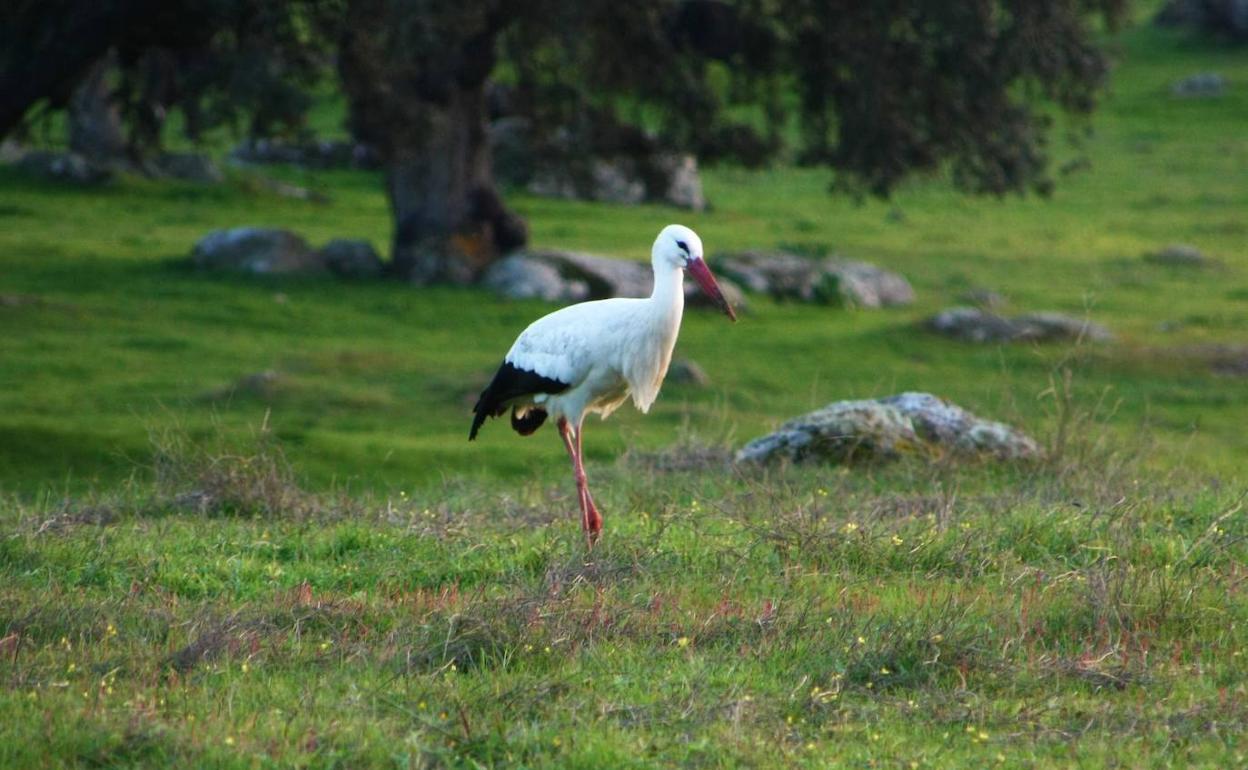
<point x="862" y="640"/>
<point x="938" y="638"/>
<point x="71" y="668"/>
<point x="245" y="667"/>
<point x="683" y="641"/>
<point x="556" y="741"/>
<point x="421" y="705"/>
<point x="983" y="736"/>
<point x="897" y="540"/>
<point x="885" y="671"/>
<point x="229" y="740"/>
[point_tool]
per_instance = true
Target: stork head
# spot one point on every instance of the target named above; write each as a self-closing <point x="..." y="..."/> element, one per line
<point x="678" y="246"/>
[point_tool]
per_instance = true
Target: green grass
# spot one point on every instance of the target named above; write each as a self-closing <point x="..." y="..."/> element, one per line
<point x="896" y="617"/>
<point x="369" y="589"/>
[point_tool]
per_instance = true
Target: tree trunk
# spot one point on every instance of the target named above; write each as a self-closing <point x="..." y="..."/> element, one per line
<point x="94" y="119"/>
<point x="415" y="74"/>
<point x="450" y="223"/>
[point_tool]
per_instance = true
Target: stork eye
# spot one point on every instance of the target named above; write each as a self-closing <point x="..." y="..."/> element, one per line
<point x="683" y="246"/>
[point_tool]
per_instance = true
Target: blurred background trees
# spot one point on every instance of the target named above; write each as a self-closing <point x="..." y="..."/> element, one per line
<point x="875" y="91"/>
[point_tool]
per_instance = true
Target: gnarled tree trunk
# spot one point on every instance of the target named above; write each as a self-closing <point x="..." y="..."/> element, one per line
<point x="415" y="72"/>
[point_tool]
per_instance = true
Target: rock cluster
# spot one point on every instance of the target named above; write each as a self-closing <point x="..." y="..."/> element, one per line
<point x="676" y="182"/>
<point x="829" y="280"/>
<point x="569" y="276"/>
<point x="977" y="325"/>
<point x="320" y="153"/>
<point x="273" y="251"/>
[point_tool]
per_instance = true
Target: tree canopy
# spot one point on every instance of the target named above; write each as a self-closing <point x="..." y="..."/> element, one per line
<point x="876" y="91"/>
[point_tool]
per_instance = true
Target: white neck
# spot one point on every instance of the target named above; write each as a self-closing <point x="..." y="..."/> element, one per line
<point x="668" y="296"/>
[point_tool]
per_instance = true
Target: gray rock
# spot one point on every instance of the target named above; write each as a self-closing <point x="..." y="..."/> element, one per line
<point x="11" y="151"/>
<point x="831" y="280"/>
<point x="256" y="250"/>
<point x="352" y="258"/>
<point x="606" y="182"/>
<point x="976" y="325"/>
<point x="188" y="166"/>
<point x="684" y="187"/>
<point x="1204" y="85"/>
<point x="860" y="284"/>
<point x="888" y="428"/>
<point x="520" y="276"/>
<point x="603" y="276"/>
<point x="672" y="179"/>
<point x="685" y="371"/>
<point x="64" y="167"/>
<point x="1179" y="254"/>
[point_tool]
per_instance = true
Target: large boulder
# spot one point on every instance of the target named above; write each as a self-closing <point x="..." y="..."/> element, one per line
<point x="830" y="280"/>
<point x="257" y="250"/>
<point x="977" y="325"/>
<point x="917" y="424"/>
<point x="521" y="276"/>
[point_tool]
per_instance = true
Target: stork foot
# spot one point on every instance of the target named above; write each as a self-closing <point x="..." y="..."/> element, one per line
<point x="591" y="522"/>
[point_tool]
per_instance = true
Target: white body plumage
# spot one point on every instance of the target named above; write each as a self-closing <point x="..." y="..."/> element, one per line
<point x="607" y="350"/>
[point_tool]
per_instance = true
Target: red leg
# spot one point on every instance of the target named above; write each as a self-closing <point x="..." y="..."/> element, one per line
<point x="592" y="516"/>
<point x="591" y="520"/>
<point x="565" y="433"/>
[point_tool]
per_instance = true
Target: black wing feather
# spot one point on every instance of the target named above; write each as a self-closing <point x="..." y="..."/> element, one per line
<point x="511" y="383"/>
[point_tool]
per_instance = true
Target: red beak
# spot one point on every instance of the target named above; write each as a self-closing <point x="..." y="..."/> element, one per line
<point x="702" y="274"/>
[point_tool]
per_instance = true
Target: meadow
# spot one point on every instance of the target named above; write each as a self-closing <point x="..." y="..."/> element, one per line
<point x="323" y="572"/>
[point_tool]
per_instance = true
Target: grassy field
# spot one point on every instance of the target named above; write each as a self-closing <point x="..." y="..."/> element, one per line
<point x="325" y="573"/>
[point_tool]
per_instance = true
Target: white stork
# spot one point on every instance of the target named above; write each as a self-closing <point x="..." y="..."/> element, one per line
<point x="592" y="356"/>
